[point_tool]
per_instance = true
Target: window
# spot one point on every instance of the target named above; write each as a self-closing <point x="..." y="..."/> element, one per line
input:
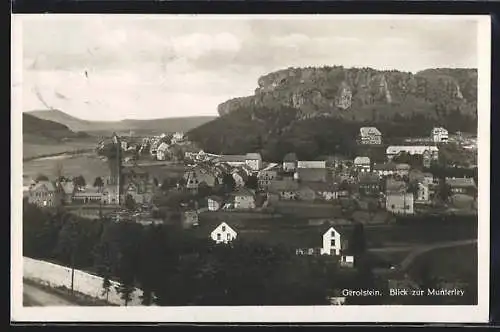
<point x="223" y="228"/>
<point x="393" y="206"/>
<point x="332" y="242"/>
<point x="228" y="236"/>
<point x="407" y="207"/>
<point x="218" y="236"/>
<point x="333" y="234"/>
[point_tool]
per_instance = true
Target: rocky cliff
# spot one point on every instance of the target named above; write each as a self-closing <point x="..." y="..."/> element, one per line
<point x="359" y="93"/>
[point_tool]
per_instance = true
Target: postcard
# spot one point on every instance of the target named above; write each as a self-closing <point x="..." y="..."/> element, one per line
<point x="250" y="168"/>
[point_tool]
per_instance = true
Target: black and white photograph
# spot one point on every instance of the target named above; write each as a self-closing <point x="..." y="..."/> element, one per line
<point x="250" y="168"/>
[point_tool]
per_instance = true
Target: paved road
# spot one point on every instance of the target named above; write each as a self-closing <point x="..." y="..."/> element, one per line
<point x="34" y="296"/>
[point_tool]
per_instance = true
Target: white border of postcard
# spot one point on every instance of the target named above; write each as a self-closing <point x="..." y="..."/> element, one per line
<point x="262" y="314"/>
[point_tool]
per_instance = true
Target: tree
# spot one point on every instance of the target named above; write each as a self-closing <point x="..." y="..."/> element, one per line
<point x="357" y="243"/>
<point x="444" y="190"/>
<point x="228" y="182"/>
<point x="126" y="289"/>
<point x="41" y="177"/>
<point x="98" y="182"/>
<point x="79" y="181"/>
<point x="252" y="182"/>
<point x="106" y="286"/>
<point x="130" y="203"/>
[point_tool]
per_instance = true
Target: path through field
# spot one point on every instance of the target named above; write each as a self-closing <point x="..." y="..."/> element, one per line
<point x="35" y="296"/>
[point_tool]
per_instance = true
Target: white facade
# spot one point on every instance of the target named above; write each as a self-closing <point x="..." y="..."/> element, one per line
<point x="393" y="151"/>
<point x="331" y="242"/>
<point x="311" y="164"/>
<point x="254" y="161"/>
<point x="161" y="151"/>
<point x="370" y="135"/>
<point x="422" y="193"/>
<point x="439" y="135"/>
<point x="213" y="204"/>
<point x="400" y="203"/>
<point x="223" y="234"/>
<point x="362" y="164"/>
<point x="244" y="202"/>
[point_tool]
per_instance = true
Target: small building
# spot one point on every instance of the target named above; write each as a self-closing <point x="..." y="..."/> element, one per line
<point x="290" y="162"/>
<point x="331" y="242"/>
<point x="43" y="194"/>
<point x="324" y="191"/>
<point x="370" y="136"/>
<point x="400" y="203"/>
<point x="254" y="161"/>
<point x="189" y="219"/>
<point x="223" y="234"/>
<point x="192" y="182"/>
<point x="311" y="164"/>
<point x="466" y="186"/>
<point x="395" y="150"/>
<point x="394" y="186"/>
<point x="385" y="169"/>
<point x="403" y="170"/>
<point x="285" y="189"/>
<point x="423" y="194"/>
<point x="347" y="261"/>
<point x="311" y="174"/>
<point x="265" y="177"/>
<point x="161" y="151"/>
<point x="244" y="199"/>
<point x="88" y="196"/>
<point x="177" y="137"/>
<point x="439" y="135"/>
<point x="214" y="203"/>
<point x="369" y="185"/>
<point x="362" y="164"/>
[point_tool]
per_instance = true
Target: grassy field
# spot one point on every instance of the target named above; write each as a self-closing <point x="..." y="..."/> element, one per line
<point x="457" y="263"/>
<point x="33" y="149"/>
<point x="88" y="165"/>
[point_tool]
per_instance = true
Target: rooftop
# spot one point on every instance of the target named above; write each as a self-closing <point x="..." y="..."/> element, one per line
<point x="361" y="160"/>
<point x="253" y="156"/>
<point x="367" y="131"/>
<point x="461" y="182"/>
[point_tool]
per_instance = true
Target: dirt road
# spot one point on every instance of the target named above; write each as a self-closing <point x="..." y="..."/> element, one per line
<point x="36" y="296"/>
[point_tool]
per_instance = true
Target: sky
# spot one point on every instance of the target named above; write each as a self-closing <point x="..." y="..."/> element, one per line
<point x="113" y="67"/>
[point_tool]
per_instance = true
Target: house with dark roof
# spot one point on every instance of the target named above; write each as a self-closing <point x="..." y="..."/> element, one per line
<point x="394" y="186"/>
<point x="44" y="194"/>
<point x="466" y="186"/>
<point x="311" y="174"/>
<point x="323" y="191"/>
<point x="369" y="185"/>
<point x="290" y="162"/>
<point x="244" y="199"/>
<point x="254" y="161"/>
<point x="362" y="164"/>
<point x="265" y="177"/>
<point x="286" y="189"/>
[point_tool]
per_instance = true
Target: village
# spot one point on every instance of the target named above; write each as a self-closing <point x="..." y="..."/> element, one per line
<point x="225" y="197"/>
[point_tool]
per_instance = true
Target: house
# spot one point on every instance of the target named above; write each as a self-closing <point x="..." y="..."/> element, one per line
<point x="254" y="161"/>
<point x="191" y="179"/>
<point x="290" y="162"/>
<point x="347" y="261"/>
<point x="362" y="164"/>
<point x="416" y="175"/>
<point x="265" y="177"/>
<point x="205" y="175"/>
<point x="386" y="169"/>
<point x="124" y="145"/>
<point x="214" y="203"/>
<point x="232" y="160"/>
<point x="324" y="191"/>
<point x="239" y="178"/>
<point x="244" y="199"/>
<point x="423" y="193"/>
<point x="395" y="150"/>
<point x="331" y="242"/>
<point x="311" y="164"/>
<point x="399" y="203"/>
<point x="439" y="135"/>
<point x="285" y="189"/>
<point x="88" y="196"/>
<point x="311" y="174"/>
<point x="161" y="151"/>
<point x="403" y="170"/>
<point x="369" y="185"/>
<point x="464" y="185"/>
<point x="370" y="136"/>
<point x="223" y="234"/>
<point x="44" y="194"/>
<point x="394" y="186"/>
<point x="177" y="137"/>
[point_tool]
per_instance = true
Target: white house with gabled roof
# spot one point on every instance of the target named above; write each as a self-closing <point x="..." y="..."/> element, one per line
<point x="223" y="234"/>
<point x="331" y="242"/>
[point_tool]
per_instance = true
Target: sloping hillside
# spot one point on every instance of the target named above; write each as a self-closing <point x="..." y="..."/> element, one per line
<point x="37" y="130"/>
<point x="318" y="111"/>
<point x="150" y="126"/>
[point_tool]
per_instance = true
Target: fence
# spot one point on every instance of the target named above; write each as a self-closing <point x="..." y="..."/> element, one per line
<point x="54" y="275"/>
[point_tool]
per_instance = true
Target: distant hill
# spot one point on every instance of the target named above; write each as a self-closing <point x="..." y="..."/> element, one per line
<point x="183" y="124"/>
<point x="37" y="130"/>
<point x="318" y="111"/>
